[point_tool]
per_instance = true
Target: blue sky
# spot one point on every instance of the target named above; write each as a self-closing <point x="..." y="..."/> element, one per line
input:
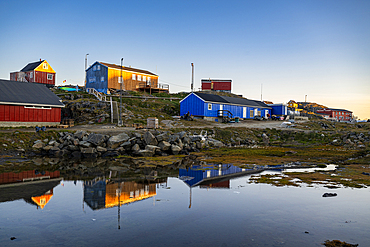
<point x="292" y="48"/>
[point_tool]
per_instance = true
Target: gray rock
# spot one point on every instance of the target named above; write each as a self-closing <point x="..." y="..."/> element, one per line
<point x="117" y="140"/>
<point x="145" y="153"/>
<point x="164" y="146"/>
<point x="163" y="137"/>
<point x="101" y="149"/>
<point x="96" y="139"/>
<point x="152" y="148"/>
<point x="135" y="148"/>
<point x="38" y="145"/>
<point x="47" y="148"/>
<point x="89" y="152"/>
<point x="126" y="145"/>
<point x="85" y="144"/>
<point x="73" y="148"/>
<point x="150" y="139"/>
<point x="215" y="143"/>
<point x="80" y="134"/>
<point x="186" y="140"/>
<point x="175" y="149"/>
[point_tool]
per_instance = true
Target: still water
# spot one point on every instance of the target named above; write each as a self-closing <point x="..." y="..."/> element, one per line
<point x="187" y="210"/>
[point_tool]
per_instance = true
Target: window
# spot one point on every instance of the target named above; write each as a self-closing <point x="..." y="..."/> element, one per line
<point x="209" y="106"/>
<point x="139" y="77"/>
<point x="92" y="79"/>
<point x="259" y="113"/>
<point x="144" y="78"/>
<point x="251" y="113"/>
<point x="102" y="79"/>
<point x="98" y="67"/>
<point x="45" y="66"/>
<point x="149" y="79"/>
<point x="119" y="79"/>
<point x="50" y="76"/>
<point x="31" y="75"/>
<point x="94" y="68"/>
<point x="133" y="77"/>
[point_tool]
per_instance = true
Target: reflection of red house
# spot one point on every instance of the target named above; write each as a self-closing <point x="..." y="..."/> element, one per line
<point x="219" y="185"/>
<point x="12" y="177"/>
<point x="338" y="114"/>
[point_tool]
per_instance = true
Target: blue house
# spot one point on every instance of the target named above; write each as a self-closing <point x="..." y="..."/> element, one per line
<point x="211" y="106"/>
<point x="279" y="109"/>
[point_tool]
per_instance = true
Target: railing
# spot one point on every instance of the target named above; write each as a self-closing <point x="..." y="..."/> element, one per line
<point x="159" y="86"/>
<point x="97" y="94"/>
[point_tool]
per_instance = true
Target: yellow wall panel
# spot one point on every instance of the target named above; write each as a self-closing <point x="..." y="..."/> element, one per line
<point x="42" y="67"/>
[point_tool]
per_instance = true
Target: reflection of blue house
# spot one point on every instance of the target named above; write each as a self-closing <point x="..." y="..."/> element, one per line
<point x="212" y="106"/>
<point x="196" y="176"/>
<point x="94" y="194"/>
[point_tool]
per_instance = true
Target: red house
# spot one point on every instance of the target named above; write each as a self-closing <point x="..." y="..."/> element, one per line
<point x="39" y="72"/>
<point x="338" y="114"/>
<point x="28" y="104"/>
<point x="219" y="85"/>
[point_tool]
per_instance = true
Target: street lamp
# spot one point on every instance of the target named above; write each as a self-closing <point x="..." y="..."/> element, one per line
<point x="85" y="67"/>
<point x="120" y="98"/>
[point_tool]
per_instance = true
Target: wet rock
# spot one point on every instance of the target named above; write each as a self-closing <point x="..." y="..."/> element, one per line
<point x="329" y="194"/>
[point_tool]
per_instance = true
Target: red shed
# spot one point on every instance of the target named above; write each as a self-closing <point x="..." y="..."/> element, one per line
<point x="28" y="104"/>
<point x="219" y="85"/>
<point x="39" y="72"/>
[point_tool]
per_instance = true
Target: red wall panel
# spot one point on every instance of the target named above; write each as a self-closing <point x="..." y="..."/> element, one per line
<point x="14" y="113"/>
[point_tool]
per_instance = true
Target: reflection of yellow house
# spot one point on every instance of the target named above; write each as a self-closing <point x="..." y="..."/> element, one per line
<point x="127" y="192"/>
<point x="41" y="201"/>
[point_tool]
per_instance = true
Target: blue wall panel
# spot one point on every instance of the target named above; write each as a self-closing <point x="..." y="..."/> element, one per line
<point x="193" y="105"/>
<point x="97" y="79"/>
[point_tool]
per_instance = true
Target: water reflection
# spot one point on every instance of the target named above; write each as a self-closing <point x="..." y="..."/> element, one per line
<point x="33" y="186"/>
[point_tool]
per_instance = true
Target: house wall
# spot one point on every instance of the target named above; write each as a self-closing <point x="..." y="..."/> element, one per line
<point x="19" y="113"/>
<point x="192" y="104"/>
<point x="97" y="78"/>
<point x="337" y="114"/>
<point x="130" y="84"/>
<point x="41" y="77"/>
<point x="197" y="107"/>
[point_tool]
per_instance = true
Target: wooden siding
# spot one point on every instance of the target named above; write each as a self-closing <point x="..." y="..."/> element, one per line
<point x="94" y="78"/>
<point x="17" y="113"/>
<point x="130" y="84"/>
<point x="192" y="104"/>
<point x="12" y="177"/>
<point x="197" y="107"/>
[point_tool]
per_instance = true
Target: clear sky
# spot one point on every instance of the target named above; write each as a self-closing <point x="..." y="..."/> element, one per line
<point x="318" y="48"/>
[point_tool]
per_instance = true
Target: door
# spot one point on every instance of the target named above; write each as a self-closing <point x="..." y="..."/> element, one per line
<point x="220" y="113"/>
<point x="244" y="112"/>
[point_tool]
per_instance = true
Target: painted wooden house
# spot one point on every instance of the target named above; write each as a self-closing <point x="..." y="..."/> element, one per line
<point x="105" y="76"/>
<point x="39" y="72"/>
<point x="213" y="107"/>
<point x="28" y="104"/>
<point x="337" y="114"/>
<point x="219" y="85"/>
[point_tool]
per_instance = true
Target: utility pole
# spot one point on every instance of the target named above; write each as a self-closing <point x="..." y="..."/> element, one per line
<point x="86" y="67"/>
<point x="305" y="98"/>
<point x="261" y="91"/>
<point x="120" y="98"/>
<point x="192" y="77"/>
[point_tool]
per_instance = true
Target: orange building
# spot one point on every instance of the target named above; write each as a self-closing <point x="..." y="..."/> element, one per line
<point x="104" y="76"/>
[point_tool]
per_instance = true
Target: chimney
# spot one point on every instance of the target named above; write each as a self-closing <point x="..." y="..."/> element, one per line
<point x="40" y="59"/>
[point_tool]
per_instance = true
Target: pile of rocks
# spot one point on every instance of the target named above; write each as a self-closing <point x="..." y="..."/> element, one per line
<point x="91" y="145"/>
<point x="353" y="139"/>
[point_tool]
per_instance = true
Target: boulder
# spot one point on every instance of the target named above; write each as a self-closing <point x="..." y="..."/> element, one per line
<point x="116" y="141"/>
<point x="150" y="139"/>
<point x="89" y="152"/>
<point x="80" y="134"/>
<point x="101" y="149"/>
<point x="175" y="149"/>
<point x="38" y="145"/>
<point x="96" y="139"/>
<point x="135" y="148"/>
<point x="163" y="137"/>
<point x="145" y="153"/>
<point x="152" y="148"/>
<point x="164" y="146"/>
<point x="215" y="143"/>
<point x="85" y="144"/>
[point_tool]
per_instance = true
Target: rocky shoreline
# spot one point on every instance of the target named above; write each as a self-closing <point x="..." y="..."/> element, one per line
<point x="82" y="144"/>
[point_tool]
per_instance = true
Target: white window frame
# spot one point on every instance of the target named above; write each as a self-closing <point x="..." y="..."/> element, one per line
<point x="31" y="75"/>
<point x="120" y="79"/>
<point x="50" y="76"/>
<point x="102" y="79"/>
<point x="209" y="106"/>
<point x="38" y="107"/>
<point x="94" y="68"/>
<point x="144" y="78"/>
<point x="149" y="81"/>
<point x="139" y="77"/>
<point x="133" y="77"/>
<point x="98" y="67"/>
